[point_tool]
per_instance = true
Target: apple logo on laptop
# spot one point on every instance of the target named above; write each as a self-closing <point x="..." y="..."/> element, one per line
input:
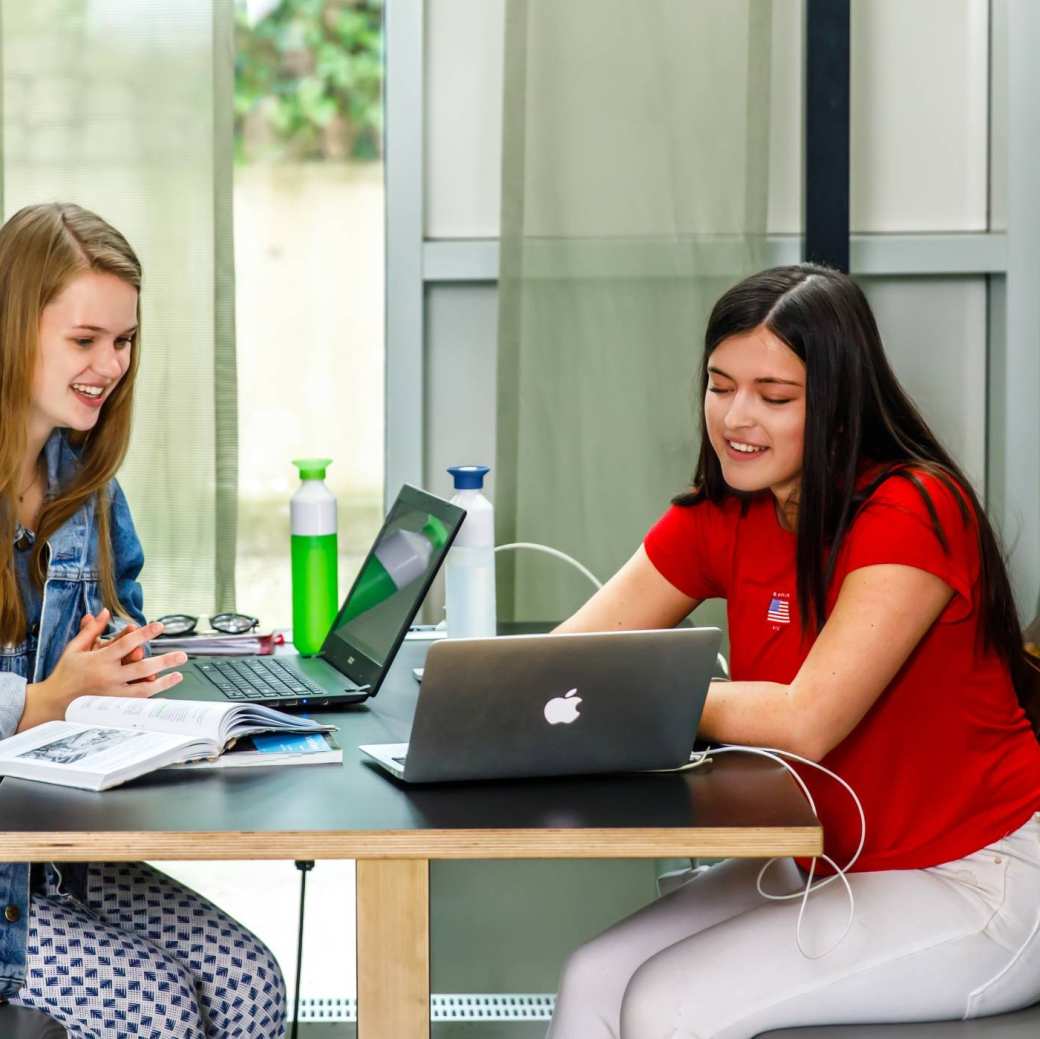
<point x="562" y="710"/>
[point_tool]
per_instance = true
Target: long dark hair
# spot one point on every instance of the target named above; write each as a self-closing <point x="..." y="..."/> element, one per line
<point x="855" y="412"/>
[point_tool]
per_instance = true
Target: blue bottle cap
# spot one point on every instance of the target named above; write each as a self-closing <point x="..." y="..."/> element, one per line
<point x="469" y="477"/>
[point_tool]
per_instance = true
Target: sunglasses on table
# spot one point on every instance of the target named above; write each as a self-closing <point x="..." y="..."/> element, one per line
<point x="226" y="623"/>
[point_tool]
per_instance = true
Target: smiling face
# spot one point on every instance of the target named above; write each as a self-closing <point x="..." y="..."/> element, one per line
<point x="86" y="335"/>
<point x="754" y="410"/>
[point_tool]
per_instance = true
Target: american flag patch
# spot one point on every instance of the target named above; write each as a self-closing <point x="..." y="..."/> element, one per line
<point x="779" y="611"/>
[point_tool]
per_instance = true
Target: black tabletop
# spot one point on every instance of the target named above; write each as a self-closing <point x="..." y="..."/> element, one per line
<point x="359" y="796"/>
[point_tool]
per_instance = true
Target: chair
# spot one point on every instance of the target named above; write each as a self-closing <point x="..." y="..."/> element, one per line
<point x="1022" y="1024"/>
<point x="19" y="1023"/>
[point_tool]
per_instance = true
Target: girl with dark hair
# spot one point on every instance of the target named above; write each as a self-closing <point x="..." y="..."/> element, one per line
<point x="872" y="630"/>
<point x="107" y="949"/>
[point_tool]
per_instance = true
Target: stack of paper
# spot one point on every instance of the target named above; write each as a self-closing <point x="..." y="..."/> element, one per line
<point x="217" y="644"/>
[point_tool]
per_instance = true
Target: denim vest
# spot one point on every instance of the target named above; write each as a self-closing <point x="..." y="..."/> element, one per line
<point x="71" y="589"/>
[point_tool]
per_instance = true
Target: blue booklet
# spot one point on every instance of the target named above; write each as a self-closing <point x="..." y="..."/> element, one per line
<point x="290" y="743"/>
<point x="276" y="748"/>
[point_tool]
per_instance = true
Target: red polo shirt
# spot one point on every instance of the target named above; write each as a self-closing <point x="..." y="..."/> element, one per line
<point x="945" y="761"/>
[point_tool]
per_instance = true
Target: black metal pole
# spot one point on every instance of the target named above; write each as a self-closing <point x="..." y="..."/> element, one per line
<point x="304" y="866"/>
<point x="827" y="133"/>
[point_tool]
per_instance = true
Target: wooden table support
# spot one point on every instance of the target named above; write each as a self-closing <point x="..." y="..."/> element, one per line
<point x="393" y="942"/>
<point x="733" y="807"/>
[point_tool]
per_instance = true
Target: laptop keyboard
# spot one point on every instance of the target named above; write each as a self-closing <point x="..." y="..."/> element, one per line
<point x="258" y="678"/>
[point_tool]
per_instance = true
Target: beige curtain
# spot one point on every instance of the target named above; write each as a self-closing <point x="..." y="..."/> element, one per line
<point x="634" y="186"/>
<point x="125" y="107"/>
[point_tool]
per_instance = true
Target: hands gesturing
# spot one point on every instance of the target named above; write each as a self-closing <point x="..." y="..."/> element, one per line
<point x="95" y="666"/>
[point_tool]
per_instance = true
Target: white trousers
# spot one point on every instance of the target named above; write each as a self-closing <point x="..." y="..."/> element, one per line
<point x="713" y="960"/>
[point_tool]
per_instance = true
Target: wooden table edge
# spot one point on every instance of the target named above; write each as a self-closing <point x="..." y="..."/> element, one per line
<point x="595" y="843"/>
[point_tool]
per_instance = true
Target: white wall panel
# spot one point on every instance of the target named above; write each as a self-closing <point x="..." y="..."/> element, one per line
<point x="998" y="115"/>
<point x="461" y="355"/>
<point x="934" y="331"/>
<point x="786" y="123"/>
<point x="920" y="83"/>
<point x="463" y="131"/>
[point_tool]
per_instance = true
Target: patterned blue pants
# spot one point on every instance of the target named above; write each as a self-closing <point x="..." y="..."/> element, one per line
<point x="148" y="957"/>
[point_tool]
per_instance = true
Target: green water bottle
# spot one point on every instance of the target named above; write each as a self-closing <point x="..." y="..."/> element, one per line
<point x="314" y="558"/>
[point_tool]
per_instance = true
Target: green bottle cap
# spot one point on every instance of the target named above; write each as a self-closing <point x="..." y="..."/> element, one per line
<point x="312" y="468"/>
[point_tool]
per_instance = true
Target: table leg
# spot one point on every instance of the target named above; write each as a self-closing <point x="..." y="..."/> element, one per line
<point x="393" y="948"/>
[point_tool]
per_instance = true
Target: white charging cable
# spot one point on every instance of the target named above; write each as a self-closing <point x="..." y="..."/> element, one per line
<point x="584" y="569"/>
<point x="778" y="756"/>
<point x="553" y="552"/>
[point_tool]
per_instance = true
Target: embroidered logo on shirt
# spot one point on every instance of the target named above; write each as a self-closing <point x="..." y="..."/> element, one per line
<point x="779" y="610"/>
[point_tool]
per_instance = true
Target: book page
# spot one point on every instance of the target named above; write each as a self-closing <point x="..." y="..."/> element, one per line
<point x="185" y="717"/>
<point x="94" y="749"/>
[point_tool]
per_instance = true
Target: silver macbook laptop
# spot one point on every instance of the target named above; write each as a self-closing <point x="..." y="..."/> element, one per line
<point x="549" y="705"/>
<point x="364" y="637"/>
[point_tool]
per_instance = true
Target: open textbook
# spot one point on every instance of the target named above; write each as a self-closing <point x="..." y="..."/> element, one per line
<point x="107" y="740"/>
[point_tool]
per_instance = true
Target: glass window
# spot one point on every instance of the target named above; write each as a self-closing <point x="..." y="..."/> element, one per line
<point x="308" y="212"/>
<point x="308" y="233"/>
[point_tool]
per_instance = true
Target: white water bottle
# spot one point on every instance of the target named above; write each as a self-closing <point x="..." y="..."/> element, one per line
<point x="469" y="573"/>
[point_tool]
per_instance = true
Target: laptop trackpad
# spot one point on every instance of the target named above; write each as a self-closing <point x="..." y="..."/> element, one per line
<point x="391" y="755"/>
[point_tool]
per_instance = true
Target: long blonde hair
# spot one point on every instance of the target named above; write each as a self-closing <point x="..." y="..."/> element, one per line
<point x="42" y="248"/>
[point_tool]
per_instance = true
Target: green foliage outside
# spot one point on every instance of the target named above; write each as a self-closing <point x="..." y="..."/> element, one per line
<point x="308" y="81"/>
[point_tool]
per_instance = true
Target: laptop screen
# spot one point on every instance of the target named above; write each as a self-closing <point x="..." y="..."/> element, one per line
<point x="392" y="583"/>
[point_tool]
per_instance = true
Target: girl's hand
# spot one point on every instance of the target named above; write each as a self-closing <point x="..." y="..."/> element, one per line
<point x="110" y="670"/>
<point x="99" y="643"/>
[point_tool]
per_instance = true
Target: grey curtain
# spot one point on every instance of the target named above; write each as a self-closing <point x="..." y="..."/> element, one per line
<point x="125" y="108"/>
<point x="634" y="187"/>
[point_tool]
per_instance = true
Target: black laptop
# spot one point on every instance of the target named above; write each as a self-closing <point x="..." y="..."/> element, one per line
<point x="366" y="634"/>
